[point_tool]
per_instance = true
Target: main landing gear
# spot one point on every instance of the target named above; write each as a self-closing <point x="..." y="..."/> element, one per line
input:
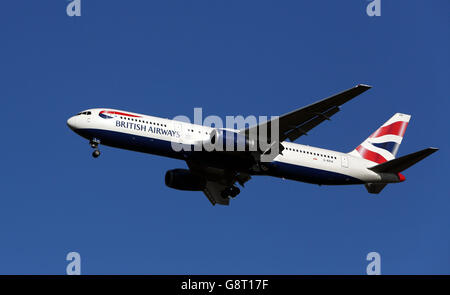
<point x="94" y="144"/>
<point x="230" y="192"/>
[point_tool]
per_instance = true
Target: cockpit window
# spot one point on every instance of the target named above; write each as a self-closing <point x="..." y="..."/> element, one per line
<point x="84" y="113"/>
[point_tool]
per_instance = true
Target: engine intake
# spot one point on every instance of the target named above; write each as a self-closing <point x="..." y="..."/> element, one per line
<point x="185" y="180"/>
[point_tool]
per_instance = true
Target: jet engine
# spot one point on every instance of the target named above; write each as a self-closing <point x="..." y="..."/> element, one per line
<point x="185" y="180"/>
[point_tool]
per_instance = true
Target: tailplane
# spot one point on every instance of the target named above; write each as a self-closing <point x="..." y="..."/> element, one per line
<point x="383" y="144"/>
<point x="393" y="168"/>
<point x="403" y="163"/>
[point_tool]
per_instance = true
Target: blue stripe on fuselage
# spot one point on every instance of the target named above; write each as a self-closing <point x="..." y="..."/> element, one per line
<point x="310" y="175"/>
<point x="164" y="148"/>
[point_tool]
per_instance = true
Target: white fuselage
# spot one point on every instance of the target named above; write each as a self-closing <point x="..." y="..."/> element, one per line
<point x="156" y="135"/>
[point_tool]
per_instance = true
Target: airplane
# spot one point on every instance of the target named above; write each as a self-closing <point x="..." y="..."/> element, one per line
<point x="216" y="173"/>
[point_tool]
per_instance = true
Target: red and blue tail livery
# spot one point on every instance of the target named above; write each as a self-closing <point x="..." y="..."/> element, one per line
<point x="383" y="144"/>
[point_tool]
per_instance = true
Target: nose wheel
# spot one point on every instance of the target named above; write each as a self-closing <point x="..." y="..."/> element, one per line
<point x="94" y="144"/>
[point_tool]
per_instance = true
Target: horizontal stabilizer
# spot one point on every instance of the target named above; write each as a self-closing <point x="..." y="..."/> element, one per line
<point x="403" y="163"/>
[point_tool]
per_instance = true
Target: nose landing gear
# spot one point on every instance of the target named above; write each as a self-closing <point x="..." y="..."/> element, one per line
<point x="96" y="153"/>
<point x="94" y="144"/>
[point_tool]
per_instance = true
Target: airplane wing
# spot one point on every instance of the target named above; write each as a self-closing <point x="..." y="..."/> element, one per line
<point x="298" y="122"/>
<point x="218" y="181"/>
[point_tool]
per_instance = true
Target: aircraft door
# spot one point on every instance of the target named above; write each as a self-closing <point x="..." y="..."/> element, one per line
<point x="344" y="161"/>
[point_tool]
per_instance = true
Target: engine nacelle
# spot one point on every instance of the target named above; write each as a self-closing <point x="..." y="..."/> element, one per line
<point x="185" y="180"/>
<point x="225" y="140"/>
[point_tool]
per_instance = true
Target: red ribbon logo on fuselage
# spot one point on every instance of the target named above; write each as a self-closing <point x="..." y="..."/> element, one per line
<point x="113" y="114"/>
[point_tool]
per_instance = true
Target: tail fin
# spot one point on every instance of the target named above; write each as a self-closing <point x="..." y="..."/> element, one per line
<point x="383" y="144"/>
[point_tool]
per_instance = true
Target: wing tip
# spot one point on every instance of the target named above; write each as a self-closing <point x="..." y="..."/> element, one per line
<point x="433" y="149"/>
<point x="363" y="86"/>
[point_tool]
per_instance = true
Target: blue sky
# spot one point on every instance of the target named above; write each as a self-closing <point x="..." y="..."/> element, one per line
<point x="231" y="58"/>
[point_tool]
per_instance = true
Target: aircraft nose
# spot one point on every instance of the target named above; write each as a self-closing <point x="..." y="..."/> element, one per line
<point x="72" y="122"/>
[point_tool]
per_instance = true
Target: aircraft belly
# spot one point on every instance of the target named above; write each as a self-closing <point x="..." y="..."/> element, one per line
<point x="305" y="171"/>
<point x="310" y="174"/>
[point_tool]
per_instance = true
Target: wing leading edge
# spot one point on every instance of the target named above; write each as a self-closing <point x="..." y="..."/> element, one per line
<point x="294" y="124"/>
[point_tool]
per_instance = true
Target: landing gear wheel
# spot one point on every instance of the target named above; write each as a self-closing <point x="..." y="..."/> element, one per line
<point x="94" y="143"/>
<point x="96" y="153"/>
<point x="234" y="191"/>
<point x="224" y="194"/>
<point x="230" y="192"/>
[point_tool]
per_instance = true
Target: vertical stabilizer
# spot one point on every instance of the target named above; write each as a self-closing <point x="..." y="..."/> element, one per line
<point x="383" y="144"/>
